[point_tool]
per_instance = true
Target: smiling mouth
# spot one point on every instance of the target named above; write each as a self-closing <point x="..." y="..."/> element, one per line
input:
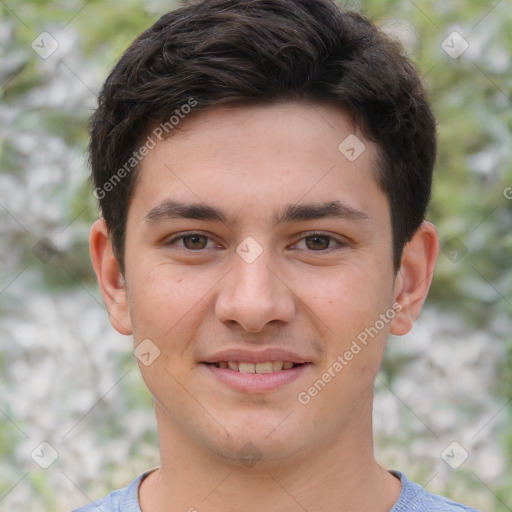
<point x="266" y="367"/>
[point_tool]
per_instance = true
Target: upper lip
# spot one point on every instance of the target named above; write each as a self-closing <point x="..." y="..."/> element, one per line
<point x="255" y="356"/>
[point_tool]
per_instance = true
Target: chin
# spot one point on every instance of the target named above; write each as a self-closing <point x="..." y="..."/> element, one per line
<point x="259" y="442"/>
<point x="259" y="454"/>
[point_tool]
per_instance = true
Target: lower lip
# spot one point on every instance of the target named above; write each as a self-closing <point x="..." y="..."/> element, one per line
<point x="256" y="382"/>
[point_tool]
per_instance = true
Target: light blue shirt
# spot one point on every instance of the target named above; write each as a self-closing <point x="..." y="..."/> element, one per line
<point x="413" y="498"/>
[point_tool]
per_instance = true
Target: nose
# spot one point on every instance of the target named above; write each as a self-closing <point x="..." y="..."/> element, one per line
<point x="253" y="295"/>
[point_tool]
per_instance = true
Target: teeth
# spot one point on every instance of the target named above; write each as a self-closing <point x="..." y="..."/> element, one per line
<point x="246" y="368"/>
<point x="266" y="367"/>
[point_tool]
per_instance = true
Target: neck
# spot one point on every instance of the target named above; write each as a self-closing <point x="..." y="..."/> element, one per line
<point x="340" y="476"/>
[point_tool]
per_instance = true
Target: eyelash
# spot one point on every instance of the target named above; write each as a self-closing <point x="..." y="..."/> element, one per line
<point x="340" y="244"/>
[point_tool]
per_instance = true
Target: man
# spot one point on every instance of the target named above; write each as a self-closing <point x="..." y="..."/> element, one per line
<point x="263" y="169"/>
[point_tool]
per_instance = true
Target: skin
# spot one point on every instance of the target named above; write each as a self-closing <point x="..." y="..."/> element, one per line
<point x="311" y="296"/>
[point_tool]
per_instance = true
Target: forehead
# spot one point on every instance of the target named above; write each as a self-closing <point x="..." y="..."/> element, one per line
<point x="251" y="160"/>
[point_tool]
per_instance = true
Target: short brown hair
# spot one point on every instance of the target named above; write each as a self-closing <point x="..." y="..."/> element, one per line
<point x="259" y="51"/>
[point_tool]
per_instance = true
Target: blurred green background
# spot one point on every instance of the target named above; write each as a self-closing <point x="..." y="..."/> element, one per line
<point x="66" y="378"/>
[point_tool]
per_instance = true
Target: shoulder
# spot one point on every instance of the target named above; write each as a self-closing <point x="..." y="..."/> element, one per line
<point x="414" y="498"/>
<point x="121" y="500"/>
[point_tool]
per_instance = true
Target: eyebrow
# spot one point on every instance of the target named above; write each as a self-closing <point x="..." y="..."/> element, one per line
<point x="172" y="209"/>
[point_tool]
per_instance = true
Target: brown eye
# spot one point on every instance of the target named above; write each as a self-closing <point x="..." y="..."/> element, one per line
<point x="192" y="242"/>
<point x="317" y="242"/>
<point x="195" y="241"/>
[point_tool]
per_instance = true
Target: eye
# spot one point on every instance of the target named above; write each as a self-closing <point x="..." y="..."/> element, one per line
<point x="192" y="241"/>
<point x="320" y="242"/>
<point x="315" y="242"/>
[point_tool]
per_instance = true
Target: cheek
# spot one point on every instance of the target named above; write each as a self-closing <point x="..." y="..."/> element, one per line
<point x="350" y="306"/>
<point x="166" y="299"/>
<point x="346" y="301"/>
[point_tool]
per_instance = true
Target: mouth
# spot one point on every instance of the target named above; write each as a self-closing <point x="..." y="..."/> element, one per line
<point x="259" y="368"/>
<point x="255" y="377"/>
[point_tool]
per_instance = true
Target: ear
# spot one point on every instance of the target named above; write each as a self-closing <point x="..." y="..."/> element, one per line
<point x="110" y="278"/>
<point x="414" y="277"/>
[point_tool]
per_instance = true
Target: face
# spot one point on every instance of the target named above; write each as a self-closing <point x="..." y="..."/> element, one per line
<point x="257" y="256"/>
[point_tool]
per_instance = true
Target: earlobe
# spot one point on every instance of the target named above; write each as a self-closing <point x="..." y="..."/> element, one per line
<point x="110" y="277"/>
<point x="414" y="277"/>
